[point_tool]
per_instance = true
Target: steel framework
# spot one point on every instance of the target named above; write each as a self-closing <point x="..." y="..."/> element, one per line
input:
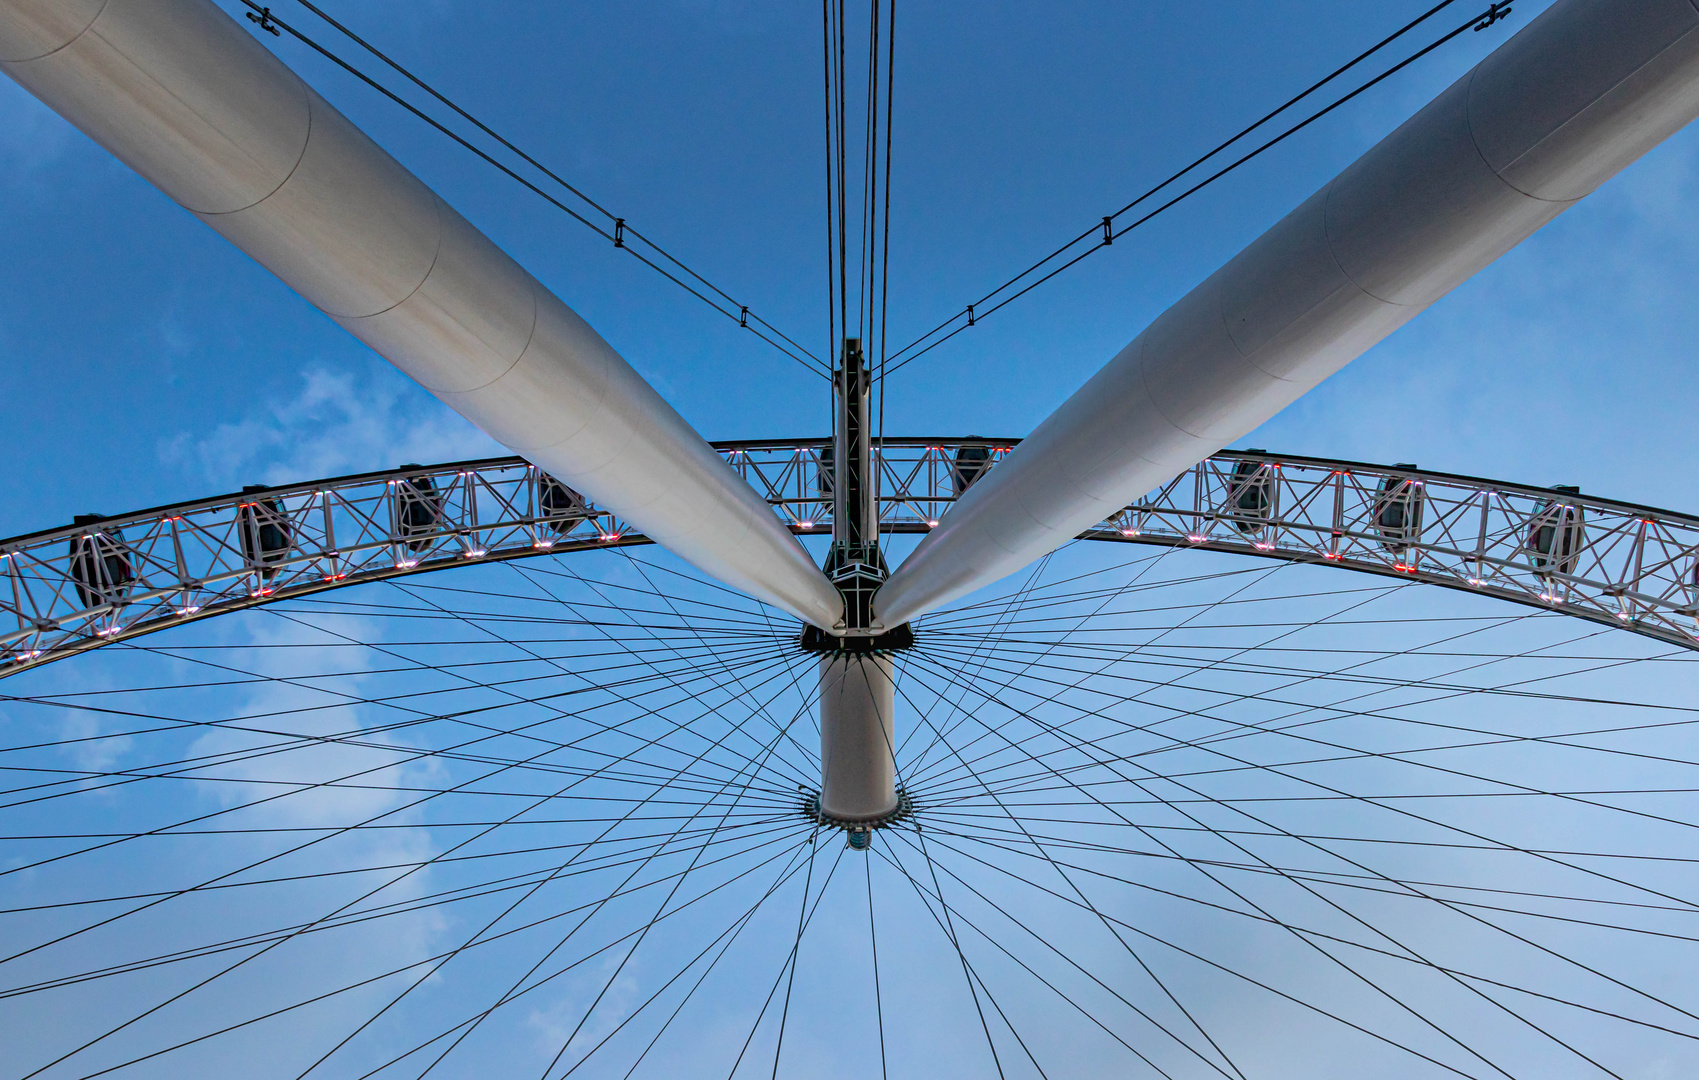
<point x="110" y="578"/>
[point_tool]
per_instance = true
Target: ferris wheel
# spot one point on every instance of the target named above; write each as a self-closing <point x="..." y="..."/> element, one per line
<point x="634" y="755"/>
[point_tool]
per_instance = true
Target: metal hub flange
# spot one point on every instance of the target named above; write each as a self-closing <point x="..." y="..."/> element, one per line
<point x="816" y="640"/>
<point x="858" y="833"/>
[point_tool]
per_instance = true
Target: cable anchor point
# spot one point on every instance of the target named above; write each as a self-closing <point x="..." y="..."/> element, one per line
<point x="1497" y="12"/>
<point x="263" y="21"/>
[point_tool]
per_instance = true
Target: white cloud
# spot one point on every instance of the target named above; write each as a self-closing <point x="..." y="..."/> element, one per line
<point x="337" y="423"/>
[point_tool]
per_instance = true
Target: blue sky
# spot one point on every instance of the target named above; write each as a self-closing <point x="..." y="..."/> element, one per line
<point x="146" y="361"/>
<point x="158" y="363"/>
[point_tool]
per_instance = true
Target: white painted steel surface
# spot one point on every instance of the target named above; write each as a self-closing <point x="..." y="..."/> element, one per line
<point x="858" y="774"/>
<point x="1580" y="93"/>
<point x="184" y="95"/>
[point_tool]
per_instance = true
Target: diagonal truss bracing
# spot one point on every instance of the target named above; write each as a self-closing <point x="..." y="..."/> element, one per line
<point x="69" y="589"/>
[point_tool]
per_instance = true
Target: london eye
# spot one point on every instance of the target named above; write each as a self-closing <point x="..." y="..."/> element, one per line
<point x="1113" y="748"/>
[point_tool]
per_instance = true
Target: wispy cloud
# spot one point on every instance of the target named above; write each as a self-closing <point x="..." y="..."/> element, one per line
<point x="337" y="423"/>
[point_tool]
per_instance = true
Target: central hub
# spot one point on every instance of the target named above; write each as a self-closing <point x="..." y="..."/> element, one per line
<point x="858" y="689"/>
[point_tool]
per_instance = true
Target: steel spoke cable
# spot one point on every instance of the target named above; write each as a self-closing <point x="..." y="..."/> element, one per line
<point x="1357" y="863"/>
<point x="782" y="660"/>
<point x="986" y="824"/>
<point x="744" y="692"/>
<point x="734" y="622"/>
<point x="759" y="824"/>
<point x="796" y="946"/>
<point x="1196" y="163"/>
<point x="947" y="925"/>
<point x="304" y="682"/>
<point x="940" y="737"/>
<point x="1009" y="841"/>
<point x="1039" y="624"/>
<point x="344" y="989"/>
<point x="839" y="90"/>
<point x="1341" y="675"/>
<point x="737" y="312"/>
<point x="708" y="970"/>
<point x="969" y="618"/>
<point x="1371" y="984"/>
<point x="294" y="741"/>
<point x="1512" y="689"/>
<point x="885" y="257"/>
<point x="1001" y="642"/>
<point x="1006" y="951"/>
<point x="689" y="994"/>
<point x="507" y="996"/>
<point x="307" y="844"/>
<point x="634" y="660"/>
<point x="663" y="676"/>
<point x="1300" y="708"/>
<point x="873" y="945"/>
<point x="972" y="663"/>
<point x="678" y="883"/>
<point x="727" y="619"/>
<point x="864" y="284"/>
<point x="787" y="966"/>
<point x="267" y="948"/>
<point x="1273" y="921"/>
<point x="263" y="830"/>
<point x="475" y="890"/>
<point x="754" y="652"/>
<point x="1233" y="972"/>
<point x="832" y="345"/>
<point x="1406" y="756"/>
<point x="1254" y="581"/>
<point x="731" y="676"/>
<point x="784" y="875"/>
<point x="955" y="613"/>
<point x="1263" y="917"/>
<point x="1348" y="796"/>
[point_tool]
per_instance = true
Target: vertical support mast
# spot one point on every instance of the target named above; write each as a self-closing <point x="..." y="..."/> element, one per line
<point x="855" y="564"/>
<point x="857" y="688"/>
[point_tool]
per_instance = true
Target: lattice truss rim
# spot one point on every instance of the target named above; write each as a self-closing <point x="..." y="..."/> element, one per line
<point x="107" y="579"/>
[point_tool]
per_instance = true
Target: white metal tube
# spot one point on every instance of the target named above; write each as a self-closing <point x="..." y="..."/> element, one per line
<point x="858" y="775"/>
<point x="1580" y="93"/>
<point x="185" y="96"/>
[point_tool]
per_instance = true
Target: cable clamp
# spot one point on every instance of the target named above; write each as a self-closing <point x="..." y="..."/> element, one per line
<point x="1108" y="230"/>
<point x="263" y="20"/>
<point x="619" y="232"/>
<point x="1499" y="11"/>
<point x="743" y="320"/>
<point x="970" y="314"/>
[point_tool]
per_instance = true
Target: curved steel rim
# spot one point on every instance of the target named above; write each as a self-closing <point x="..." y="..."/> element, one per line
<point x="107" y="579"/>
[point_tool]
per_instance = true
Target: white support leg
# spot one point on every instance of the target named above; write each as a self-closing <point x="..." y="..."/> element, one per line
<point x="858" y="774"/>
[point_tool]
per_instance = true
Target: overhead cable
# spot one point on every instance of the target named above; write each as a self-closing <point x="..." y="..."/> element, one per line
<point x="1105" y="231"/>
<point x="622" y="231"/>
